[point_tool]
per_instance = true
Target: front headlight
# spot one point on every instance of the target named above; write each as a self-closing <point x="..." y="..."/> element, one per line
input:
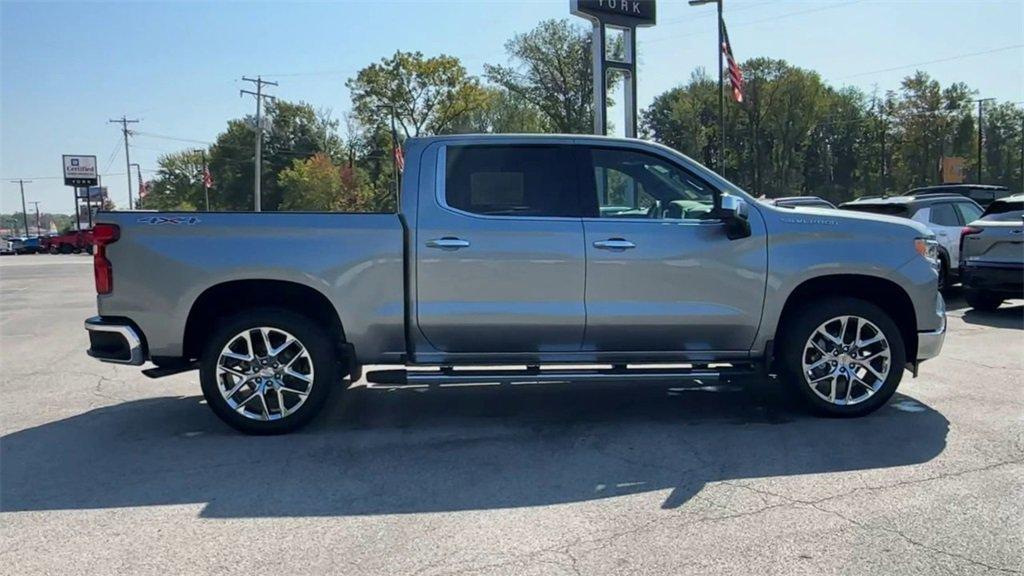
<point x="928" y="248"/>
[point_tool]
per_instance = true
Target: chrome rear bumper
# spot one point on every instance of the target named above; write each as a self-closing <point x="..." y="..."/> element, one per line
<point x="112" y="341"/>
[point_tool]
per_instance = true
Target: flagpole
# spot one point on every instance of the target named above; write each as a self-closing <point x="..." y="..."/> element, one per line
<point x="721" y="92"/>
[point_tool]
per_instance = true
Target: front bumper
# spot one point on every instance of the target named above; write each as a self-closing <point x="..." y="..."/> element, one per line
<point x="929" y="343"/>
<point x="114" y="341"/>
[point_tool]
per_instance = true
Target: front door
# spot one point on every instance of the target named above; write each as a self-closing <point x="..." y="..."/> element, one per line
<point x="661" y="273"/>
<point x="499" y="251"/>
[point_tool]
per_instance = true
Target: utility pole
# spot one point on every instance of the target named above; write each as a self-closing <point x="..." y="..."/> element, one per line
<point x="24" y="211"/>
<point x="981" y="116"/>
<point x="138" y="172"/>
<point x="259" y="82"/>
<point x="36" y="203"/>
<point x="124" y="122"/>
<point x="207" y="181"/>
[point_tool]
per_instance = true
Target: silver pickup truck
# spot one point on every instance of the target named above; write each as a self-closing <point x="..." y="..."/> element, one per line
<point x="520" y="259"/>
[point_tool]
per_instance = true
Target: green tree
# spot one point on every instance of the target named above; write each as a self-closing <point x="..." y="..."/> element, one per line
<point x="318" y="184"/>
<point x="178" y="184"/>
<point x="551" y="70"/>
<point x="429" y="95"/>
<point x="291" y="131"/>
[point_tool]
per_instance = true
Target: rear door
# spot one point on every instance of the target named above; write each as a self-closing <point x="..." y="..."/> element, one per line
<point x="499" y="255"/>
<point x="661" y="274"/>
<point x="944" y="220"/>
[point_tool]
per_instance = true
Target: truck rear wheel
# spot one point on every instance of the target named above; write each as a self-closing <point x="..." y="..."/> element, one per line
<point x="844" y="356"/>
<point x="268" y="371"/>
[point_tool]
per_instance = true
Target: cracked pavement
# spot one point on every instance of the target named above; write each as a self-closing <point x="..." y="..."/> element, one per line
<point x="103" y="471"/>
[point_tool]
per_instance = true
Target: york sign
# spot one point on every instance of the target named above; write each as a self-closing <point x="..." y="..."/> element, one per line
<point x="79" y="171"/>
<point x="627" y="13"/>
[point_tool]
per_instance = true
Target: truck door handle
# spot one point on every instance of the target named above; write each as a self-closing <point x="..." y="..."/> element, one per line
<point x="448" y="243"/>
<point x="614" y="244"/>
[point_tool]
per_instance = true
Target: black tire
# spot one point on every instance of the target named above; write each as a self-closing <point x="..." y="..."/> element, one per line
<point x="943" y="273"/>
<point x="805" y="321"/>
<point x="317" y="342"/>
<point x="982" y="300"/>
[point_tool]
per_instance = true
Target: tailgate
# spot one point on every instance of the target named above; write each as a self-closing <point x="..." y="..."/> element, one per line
<point x="996" y="242"/>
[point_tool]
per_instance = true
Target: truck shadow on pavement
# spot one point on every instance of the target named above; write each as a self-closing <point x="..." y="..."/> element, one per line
<point x="396" y="451"/>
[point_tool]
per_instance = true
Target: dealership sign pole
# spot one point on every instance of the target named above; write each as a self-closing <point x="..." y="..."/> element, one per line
<point x="79" y="171"/>
<point x="625" y="16"/>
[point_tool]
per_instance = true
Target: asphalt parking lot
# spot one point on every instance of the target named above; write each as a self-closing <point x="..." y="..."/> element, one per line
<point x="103" y="471"/>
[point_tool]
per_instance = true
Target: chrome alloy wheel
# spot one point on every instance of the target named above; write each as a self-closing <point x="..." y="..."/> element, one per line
<point x="264" y="373"/>
<point x="846" y="360"/>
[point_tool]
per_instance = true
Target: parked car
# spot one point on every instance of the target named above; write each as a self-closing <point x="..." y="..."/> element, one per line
<point x="944" y="214"/>
<point x="73" y="242"/>
<point x="800" y="202"/>
<point x="502" y="253"/>
<point x="983" y="194"/>
<point x="26" y="245"/>
<point x="992" y="254"/>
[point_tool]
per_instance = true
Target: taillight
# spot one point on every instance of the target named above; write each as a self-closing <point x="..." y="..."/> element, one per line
<point x="102" y="236"/>
<point x="965" y="232"/>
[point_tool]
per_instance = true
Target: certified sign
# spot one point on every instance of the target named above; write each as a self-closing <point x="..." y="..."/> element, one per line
<point x="80" y="170"/>
<point x="628" y="13"/>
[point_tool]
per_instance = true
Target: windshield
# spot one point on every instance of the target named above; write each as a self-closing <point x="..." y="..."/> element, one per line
<point x="1004" y="210"/>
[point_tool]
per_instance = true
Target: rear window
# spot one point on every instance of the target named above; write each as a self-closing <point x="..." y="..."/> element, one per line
<point x="511" y="180"/>
<point x="1004" y="210"/>
<point x="887" y="209"/>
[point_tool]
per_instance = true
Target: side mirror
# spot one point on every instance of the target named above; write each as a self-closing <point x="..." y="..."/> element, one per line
<point x="736" y="215"/>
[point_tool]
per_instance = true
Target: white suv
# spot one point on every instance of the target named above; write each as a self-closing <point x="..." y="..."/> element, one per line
<point x="944" y="214"/>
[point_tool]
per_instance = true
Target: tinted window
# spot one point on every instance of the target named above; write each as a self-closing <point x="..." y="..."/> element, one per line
<point x="888" y="209"/>
<point x="631" y="184"/>
<point x="511" y="180"/>
<point x="968" y="211"/>
<point x="1004" y="210"/>
<point x="943" y="215"/>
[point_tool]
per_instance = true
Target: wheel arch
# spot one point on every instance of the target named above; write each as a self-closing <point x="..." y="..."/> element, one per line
<point x="884" y="293"/>
<point x="234" y="296"/>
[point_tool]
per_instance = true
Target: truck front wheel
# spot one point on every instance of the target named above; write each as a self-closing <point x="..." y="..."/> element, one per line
<point x="844" y="356"/>
<point x="268" y="371"/>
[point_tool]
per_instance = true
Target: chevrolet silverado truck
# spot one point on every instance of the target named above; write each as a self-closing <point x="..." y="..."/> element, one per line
<point x="520" y="259"/>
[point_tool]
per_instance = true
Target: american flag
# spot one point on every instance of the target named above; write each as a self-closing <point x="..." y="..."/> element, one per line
<point x="399" y="158"/>
<point x="735" y="74"/>
<point x="207" y="177"/>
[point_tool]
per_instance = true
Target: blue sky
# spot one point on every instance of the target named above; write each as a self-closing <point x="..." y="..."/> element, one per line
<point x="66" y="68"/>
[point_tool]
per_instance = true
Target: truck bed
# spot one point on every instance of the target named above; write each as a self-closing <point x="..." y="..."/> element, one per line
<point x="163" y="262"/>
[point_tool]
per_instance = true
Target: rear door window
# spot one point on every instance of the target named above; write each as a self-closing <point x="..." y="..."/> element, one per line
<point x="969" y="212"/>
<point x="944" y="215"/>
<point x="519" y="181"/>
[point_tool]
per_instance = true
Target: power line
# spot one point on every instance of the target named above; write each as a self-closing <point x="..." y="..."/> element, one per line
<point x="940" y="60"/>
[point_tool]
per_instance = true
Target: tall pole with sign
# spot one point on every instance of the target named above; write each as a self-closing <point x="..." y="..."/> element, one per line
<point x="626" y="16"/>
<point x="79" y="171"/>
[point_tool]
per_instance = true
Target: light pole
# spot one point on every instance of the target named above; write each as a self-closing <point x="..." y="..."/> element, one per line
<point x="981" y="116"/>
<point x="721" y="84"/>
